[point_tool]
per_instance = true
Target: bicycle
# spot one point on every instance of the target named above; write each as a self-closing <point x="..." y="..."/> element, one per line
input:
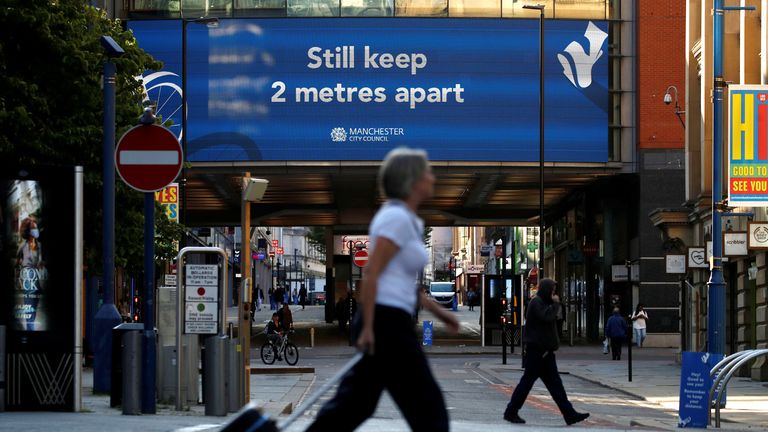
<point x="271" y="352"/>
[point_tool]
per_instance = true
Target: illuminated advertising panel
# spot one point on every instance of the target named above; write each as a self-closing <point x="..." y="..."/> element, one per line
<point x="352" y="89"/>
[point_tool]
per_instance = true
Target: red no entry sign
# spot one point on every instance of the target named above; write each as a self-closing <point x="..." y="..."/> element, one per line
<point x="361" y="258"/>
<point x="148" y="157"/>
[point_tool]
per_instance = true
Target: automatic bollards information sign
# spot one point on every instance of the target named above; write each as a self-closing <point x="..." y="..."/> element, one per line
<point x="202" y="299"/>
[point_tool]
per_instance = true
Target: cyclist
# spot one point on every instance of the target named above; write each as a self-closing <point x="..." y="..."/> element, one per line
<point x="273" y="332"/>
<point x="285" y="318"/>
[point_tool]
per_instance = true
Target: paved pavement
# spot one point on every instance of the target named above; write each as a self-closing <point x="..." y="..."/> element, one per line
<point x="475" y="384"/>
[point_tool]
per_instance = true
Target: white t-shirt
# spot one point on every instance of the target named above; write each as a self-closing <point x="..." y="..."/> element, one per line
<point x="397" y="283"/>
<point x="640" y="322"/>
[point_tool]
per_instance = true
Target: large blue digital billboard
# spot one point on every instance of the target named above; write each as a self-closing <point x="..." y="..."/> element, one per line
<point x="352" y="89"/>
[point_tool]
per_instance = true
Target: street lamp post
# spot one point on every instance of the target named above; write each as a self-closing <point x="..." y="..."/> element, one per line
<point x="716" y="283"/>
<point x="211" y="21"/>
<point x="540" y="8"/>
<point x="107" y="316"/>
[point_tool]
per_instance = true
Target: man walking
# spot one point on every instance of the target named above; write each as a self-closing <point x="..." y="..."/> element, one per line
<point x="303" y="296"/>
<point x="616" y="330"/>
<point x="541" y="343"/>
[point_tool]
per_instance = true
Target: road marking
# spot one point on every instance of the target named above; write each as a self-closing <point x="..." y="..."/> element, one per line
<point x="149" y="157"/>
<point x="486" y="379"/>
<point x="198" y="428"/>
<point x="458" y="371"/>
<point x="472" y="381"/>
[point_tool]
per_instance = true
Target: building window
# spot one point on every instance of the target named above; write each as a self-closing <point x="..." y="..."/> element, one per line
<point x="514" y="9"/>
<point x="429" y="8"/>
<point x="260" y="7"/>
<point x="367" y="8"/>
<point x="474" y="8"/>
<point x="313" y="8"/>
<point x="580" y="9"/>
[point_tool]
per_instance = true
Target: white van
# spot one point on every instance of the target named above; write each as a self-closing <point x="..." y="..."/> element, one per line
<point x="443" y="292"/>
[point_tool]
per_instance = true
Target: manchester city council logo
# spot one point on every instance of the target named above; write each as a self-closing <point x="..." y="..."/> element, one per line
<point x="338" y="134"/>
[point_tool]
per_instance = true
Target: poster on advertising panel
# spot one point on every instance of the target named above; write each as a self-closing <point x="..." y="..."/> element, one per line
<point x="40" y="281"/>
<point x="168" y="198"/>
<point x="747" y="146"/>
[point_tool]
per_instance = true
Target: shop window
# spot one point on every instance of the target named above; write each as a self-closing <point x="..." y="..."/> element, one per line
<point x="474" y="8"/>
<point x="431" y="8"/>
<point x="367" y="8"/>
<point x="514" y="9"/>
<point x="313" y="8"/>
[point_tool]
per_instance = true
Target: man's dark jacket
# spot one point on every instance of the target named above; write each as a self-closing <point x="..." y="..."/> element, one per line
<point x="541" y="319"/>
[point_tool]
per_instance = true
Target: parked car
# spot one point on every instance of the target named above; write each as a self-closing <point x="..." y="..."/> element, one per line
<point x="443" y="292"/>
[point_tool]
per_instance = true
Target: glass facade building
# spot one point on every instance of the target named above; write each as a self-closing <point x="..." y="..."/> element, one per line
<point x="557" y="9"/>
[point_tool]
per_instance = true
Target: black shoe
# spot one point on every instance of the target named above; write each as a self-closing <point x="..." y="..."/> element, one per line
<point x="578" y="417"/>
<point x="513" y="418"/>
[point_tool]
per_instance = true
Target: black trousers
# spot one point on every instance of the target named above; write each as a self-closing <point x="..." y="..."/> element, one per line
<point x="399" y="366"/>
<point x="616" y="344"/>
<point x="540" y="363"/>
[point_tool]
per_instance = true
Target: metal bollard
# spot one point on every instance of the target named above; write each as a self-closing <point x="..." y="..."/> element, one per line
<point x="312" y="337"/>
<point x="503" y="344"/>
<point x="131" y="358"/>
<point x="233" y="366"/>
<point x="215" y="354"/>
<point x="2" y="368"/>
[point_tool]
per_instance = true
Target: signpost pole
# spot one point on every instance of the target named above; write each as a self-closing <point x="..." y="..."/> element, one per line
<point x="148" y="370"/>
<point x="243" y="301"/>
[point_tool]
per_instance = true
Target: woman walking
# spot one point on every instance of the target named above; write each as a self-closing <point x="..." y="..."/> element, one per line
<point x="389" y="298"/>
<point x="639" y="324"/>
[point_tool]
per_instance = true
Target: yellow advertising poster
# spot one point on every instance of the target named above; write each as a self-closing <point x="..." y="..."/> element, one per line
<point x="169" y="199"/>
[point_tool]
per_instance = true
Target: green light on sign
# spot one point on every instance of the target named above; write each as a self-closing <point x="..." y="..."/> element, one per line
<point x="200" y="307"/>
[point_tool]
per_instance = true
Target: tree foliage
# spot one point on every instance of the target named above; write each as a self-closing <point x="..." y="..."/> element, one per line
<point x="51" y="105"/>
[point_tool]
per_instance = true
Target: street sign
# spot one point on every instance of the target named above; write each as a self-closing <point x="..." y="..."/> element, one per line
<point x="475" y="268"/>
<point x="170" y="280"/>
<point x="275" y="243"/>
<point x="201" y="318"/>
<point x="148" y="158"/>
<point x="361" y="258"/>
<point x="279" y="250"/>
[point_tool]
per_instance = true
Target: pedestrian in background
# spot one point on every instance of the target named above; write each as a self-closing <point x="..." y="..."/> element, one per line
<point x="389" y="297"/>
<point x="541" y="342"/>
<point x="639" y="324"/>
<point x="271" y="295"/>
<point x="471" y="294"/>
<point x="616" y="331"/>
<point x="303" y="296"/>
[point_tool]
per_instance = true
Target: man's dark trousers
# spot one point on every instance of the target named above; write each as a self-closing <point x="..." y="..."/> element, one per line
<point x="541" y="364"/>
<point x="616" y="344"/>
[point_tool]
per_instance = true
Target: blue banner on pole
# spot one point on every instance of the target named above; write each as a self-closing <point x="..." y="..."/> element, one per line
<point x="695" y="384"/>
<point x="427" y="333"/>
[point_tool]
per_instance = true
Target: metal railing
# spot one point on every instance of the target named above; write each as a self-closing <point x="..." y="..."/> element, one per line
<point x="722" y="373"/>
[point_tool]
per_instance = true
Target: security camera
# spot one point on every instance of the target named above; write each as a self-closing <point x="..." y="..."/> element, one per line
<point x="667" y="98"/>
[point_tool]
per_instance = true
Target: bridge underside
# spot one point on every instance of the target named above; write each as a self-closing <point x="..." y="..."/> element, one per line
<point x="344" y="195"/>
